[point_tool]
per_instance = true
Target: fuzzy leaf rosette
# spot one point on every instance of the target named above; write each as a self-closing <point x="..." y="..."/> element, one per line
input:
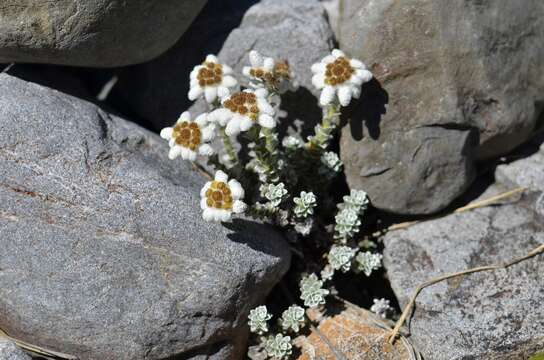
<point x="222" y="197"/>
<point x="189" y="138"/>
<point x="241" y="110"/>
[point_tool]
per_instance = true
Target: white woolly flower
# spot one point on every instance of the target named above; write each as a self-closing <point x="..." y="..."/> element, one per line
<point x="339" y="77"/>
<point x="242" y="110"/>
<point x="189" y="137"/>
<point x="368" y="262"/>
<point x="266" y="71"/>
<point x="274" y="193"/>
<point x="292" y="318"/>
<point x="221" y="197"/>
<point x="278" y="347"/>
<point x="346" y="224"/>
<point x="305" y="204"/>
<point x="381" y="307"/>
<point x="340" y="257"/>
<point x="257" y="320"/>
<point x="327" y="273"/>
<point x="311" y="291"/>
<point x="211" y="79"/>
<point x="331" y="160"/>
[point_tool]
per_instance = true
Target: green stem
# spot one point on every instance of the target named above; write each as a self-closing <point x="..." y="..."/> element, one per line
<point x="229" y="148"/>
<point x="323" y="132"/>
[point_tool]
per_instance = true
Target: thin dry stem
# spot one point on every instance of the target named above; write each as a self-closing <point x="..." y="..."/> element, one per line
<point x="474" y="205"/>
<point x="37" y="349"/>
<point x="408" y="308"/>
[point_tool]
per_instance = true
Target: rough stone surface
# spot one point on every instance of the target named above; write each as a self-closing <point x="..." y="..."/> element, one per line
<point x="9" y="351"/>
<point x="92" y="33"/>
<point x="467" y="72"/>
<point x="488" y="315"/>
<point x="104" y="251"/>
<point x="296" y="30"/>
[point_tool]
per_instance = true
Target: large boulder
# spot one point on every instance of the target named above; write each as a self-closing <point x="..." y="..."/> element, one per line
<point x="92" y="33"/>
<point x="456" y="82"/>
<point x="296" y="30"/>
<point x="104" y="251"/>
<point x="488" y="315"/>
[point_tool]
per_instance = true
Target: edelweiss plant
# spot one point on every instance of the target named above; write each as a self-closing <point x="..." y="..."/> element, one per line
<point x="284" y="180"/>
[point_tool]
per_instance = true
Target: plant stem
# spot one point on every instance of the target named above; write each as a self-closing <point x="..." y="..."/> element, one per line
<point x="229" y="148"/>
<point x="323" y="131"/>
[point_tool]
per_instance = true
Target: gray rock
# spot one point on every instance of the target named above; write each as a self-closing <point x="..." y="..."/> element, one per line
<point x="104" y="251"/>
<point x="294" y="30"/>
<point x="9" y="351"/>
<point x="459" y="68"/>
<point x="494" y="315"/>
<point x="92" y="33"/>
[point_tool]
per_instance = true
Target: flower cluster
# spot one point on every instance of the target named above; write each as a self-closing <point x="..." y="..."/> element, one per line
<point x="305" y="204"/>
<point x="221" y="197"/>
<point x="339" y="78"/>
<point x="278" y="347"/>
<point x="311" y="291"/>
<point x="211" y="80"/>
<point x="368" y="262"/>
<point x="381" y="307"/>
<point x="292" y="318"/>
<point x="340" y="257"/>
<point x="267" y="72"/>
<point x="258" y="318"/>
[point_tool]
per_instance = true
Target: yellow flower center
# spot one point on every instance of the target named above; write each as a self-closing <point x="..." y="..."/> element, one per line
<point x="243" y="103"/>
<point x="273" y="78"/>
<point x="187" y="134"/>
<point x="210" y="74"/>
<point x="338" y="71"/>
<point x="219" y="196"/>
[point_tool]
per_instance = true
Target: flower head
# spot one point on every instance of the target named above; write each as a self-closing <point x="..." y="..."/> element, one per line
<point x="292" y="318"/>
<point x="278" y="347"/>
<point x="211" y="79"/>
<point x="311" y="291"/>
<point x="221" y="197"/>
<point x="339" y="76"/>
<point x="381" y="307"/>
<point x="292" y="142"/>
<point x="266" y="71"/>
<point x="304" y="205"/>
<point x="242" y="110"/>
<point x="257" y="320"/>
<point x="189" y="137"/>
<point x="340" y="257"/>
<point x="368" y="262"/>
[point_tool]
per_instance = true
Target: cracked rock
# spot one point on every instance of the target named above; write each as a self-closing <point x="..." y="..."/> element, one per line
<point x="470" y="70"/>
<point x="104" y="251"/>
<point x="494" y="315"/>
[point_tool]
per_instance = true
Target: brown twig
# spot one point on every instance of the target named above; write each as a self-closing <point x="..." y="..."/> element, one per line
<point x="474" y="205"/>
<point x="408" y="308"/>
<point x="201" y="170"/>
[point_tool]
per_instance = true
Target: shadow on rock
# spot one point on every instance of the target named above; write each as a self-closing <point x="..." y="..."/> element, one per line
<point x="368" y="109"/>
